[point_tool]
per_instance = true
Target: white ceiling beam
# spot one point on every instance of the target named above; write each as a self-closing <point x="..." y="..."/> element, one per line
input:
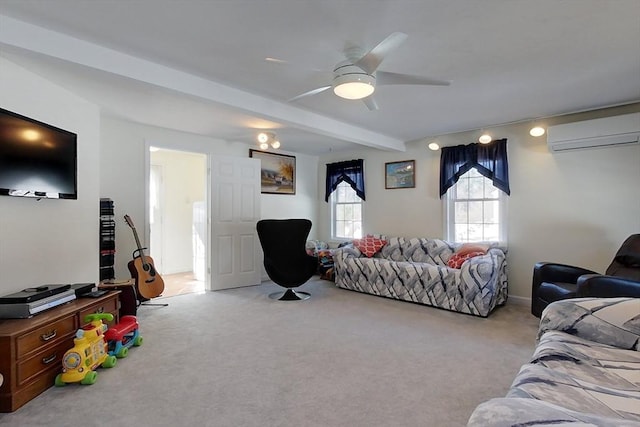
<point x="37" y="39"/>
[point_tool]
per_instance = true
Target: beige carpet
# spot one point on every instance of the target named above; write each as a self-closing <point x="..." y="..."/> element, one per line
<point x="237" y="358"/>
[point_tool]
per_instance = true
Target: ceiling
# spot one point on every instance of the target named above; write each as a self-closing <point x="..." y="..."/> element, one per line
<point x="199" y="66"/>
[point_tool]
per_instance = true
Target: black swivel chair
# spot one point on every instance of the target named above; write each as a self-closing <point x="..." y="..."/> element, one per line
<point x="553" y="282"/>
<point x="285" y="257"/>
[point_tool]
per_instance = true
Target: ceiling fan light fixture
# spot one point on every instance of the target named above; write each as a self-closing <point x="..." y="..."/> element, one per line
<point x="264" y="145"/>
<point x="354" y="85"/>
<point x="275" y="144"/>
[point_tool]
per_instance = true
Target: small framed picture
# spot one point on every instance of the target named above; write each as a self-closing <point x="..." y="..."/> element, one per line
<point x="400" y="174"/>
<point x="277" y="172"/>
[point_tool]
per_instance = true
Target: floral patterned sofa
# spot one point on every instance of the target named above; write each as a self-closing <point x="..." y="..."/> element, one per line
<point x="585" y="370"/>
<point x="417" y="270"/>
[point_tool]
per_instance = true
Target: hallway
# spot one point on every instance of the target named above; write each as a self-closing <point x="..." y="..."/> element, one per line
<point x="181" y="283"/>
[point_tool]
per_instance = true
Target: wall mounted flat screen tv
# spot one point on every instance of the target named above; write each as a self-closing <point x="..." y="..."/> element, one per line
<point x="36" y="159"/>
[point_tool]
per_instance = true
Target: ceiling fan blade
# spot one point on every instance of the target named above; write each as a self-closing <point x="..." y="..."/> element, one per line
<point x="370" y="102"/>
<point x="309" y="93"/>
<point x="274" y="60"/>
<point x="386" y="78"/>
<point x="372" y="59"/>
<point x="285" y="63"/>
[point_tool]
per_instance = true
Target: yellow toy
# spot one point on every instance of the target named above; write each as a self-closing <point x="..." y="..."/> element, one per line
<point x="88" y="353"/>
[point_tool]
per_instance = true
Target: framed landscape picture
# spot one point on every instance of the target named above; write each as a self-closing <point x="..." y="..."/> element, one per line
<point x="277" y="172"/>
<point x="400" y="174"/>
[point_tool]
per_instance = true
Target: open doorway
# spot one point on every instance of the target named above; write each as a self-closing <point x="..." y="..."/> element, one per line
<point x="178" y="240"/>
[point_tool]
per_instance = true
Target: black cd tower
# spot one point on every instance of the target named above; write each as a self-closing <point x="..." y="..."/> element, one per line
<point x="107" y="239"/>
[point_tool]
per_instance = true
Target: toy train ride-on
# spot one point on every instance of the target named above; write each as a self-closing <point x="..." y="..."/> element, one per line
<point x="97" y="345"/>
<point x="88" y="353"/>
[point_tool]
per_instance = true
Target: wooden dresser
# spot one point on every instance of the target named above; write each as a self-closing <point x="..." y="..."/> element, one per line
<point x="31" y="350"/>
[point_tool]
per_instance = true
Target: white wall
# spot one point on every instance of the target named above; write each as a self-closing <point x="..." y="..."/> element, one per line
<point x="574" y="208"/>
<point x="304" y="203"/>
<point x="122" y="157"/>
<point x="398" y="212"/>
<point x="51" y="241"/>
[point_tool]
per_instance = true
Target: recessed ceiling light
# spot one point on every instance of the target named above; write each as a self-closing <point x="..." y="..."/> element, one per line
<point x="434" y="146"/>
<point x="537" y="131"/>
<point x="485" y="138"/>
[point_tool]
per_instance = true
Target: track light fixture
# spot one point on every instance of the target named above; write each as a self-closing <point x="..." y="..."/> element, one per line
<point x="268" y="138"/>
<point x="263" y="137"/>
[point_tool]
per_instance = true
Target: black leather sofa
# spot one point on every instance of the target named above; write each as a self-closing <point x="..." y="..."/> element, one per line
<point x="553" y="281"/>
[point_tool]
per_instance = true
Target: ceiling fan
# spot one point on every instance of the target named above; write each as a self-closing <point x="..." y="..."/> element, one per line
<point x="358" y="76"/>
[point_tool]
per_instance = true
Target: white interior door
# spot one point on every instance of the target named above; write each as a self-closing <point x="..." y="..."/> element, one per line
<point x="235" y="210"/>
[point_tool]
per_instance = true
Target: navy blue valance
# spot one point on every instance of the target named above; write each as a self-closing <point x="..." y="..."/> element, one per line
<point x="350" y="171"/>
<point x="490" y="160"/>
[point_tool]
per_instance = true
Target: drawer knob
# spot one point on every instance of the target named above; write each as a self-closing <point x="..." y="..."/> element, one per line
<point x="47" y="360"/>
<point x="49" y="335"/>
<point x="100" y="310"/>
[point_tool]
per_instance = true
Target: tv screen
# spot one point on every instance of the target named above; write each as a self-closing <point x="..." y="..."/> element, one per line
<point x="36" y="159"/>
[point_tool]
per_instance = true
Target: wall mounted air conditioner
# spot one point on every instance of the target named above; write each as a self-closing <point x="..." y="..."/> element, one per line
<point x="604" y="132"/>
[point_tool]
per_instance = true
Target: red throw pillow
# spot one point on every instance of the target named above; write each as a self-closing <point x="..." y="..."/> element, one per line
<point x="472" y="247"/>
<point x="457" y="260"/>
<point x="369" y="245"/>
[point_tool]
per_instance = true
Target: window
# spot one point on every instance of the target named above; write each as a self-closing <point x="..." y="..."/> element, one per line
<point x="475" y="210"/>
<point x="346" y="213"/>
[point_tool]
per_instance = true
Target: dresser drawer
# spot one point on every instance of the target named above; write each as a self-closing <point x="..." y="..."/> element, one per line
<point x="43" y="361"/>
<point x="45" y="335"/>
<point x="108" y="306"/>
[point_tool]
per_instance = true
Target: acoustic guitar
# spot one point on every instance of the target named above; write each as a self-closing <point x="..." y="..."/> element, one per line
<point x="148" y="281"/>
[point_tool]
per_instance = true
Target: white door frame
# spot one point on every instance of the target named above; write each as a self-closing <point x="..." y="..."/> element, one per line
<point x="147" y="170"/>
<point x="158" y="253"/>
